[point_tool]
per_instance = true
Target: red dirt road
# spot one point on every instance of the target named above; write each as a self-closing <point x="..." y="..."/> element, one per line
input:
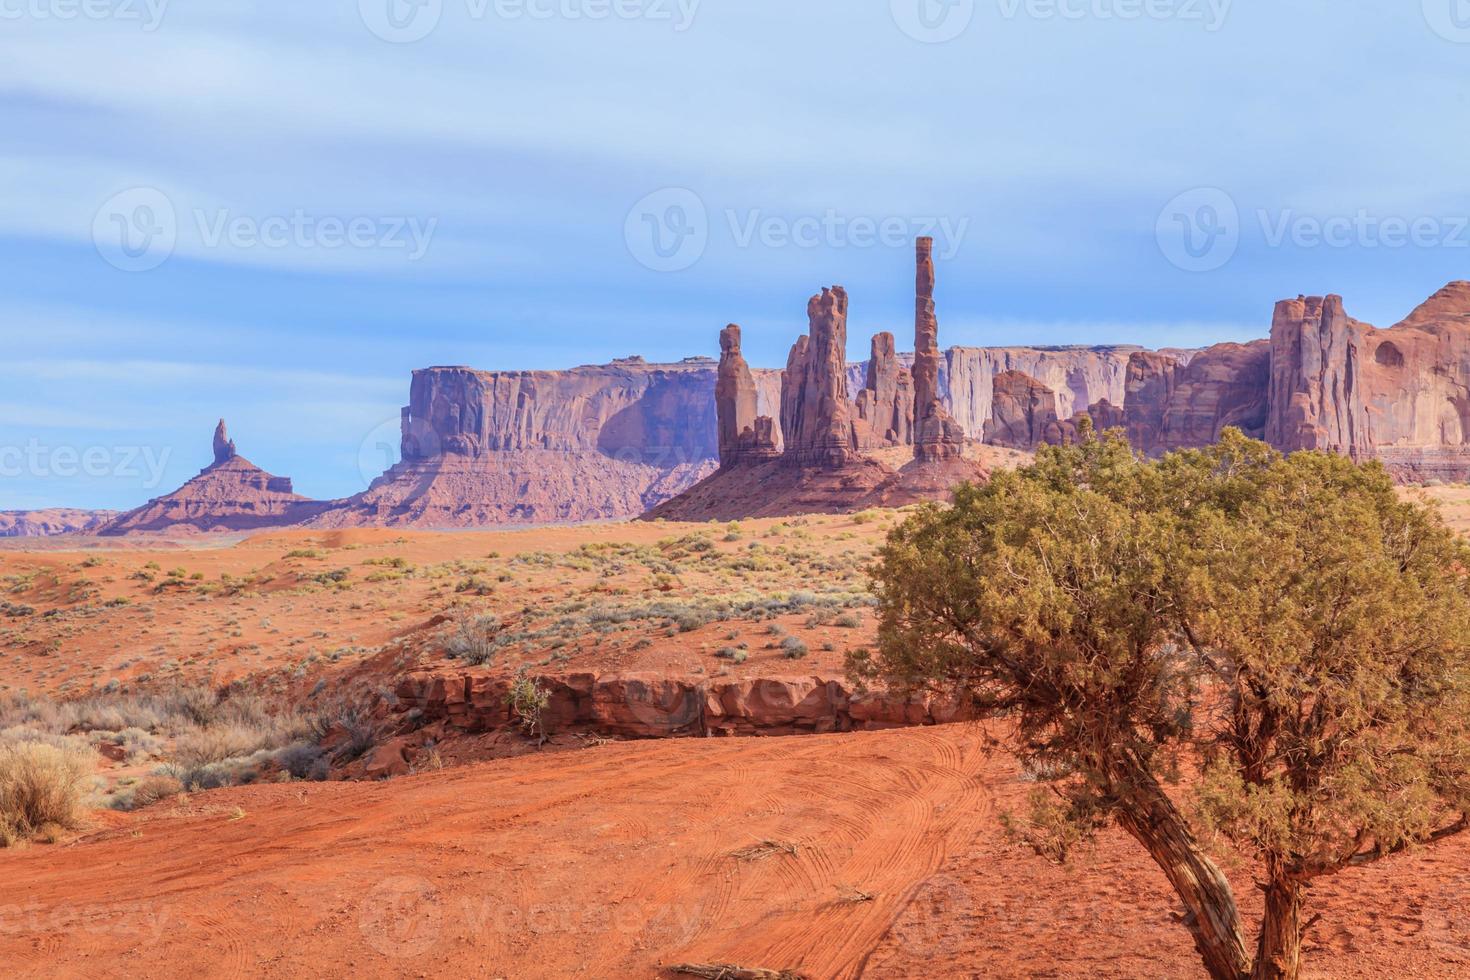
<point x="614" y="861"/>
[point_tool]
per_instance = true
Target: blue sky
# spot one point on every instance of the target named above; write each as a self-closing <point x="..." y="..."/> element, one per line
<point x="499" y="170"/>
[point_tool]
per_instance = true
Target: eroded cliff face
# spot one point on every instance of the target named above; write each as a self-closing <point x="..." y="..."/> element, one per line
<point x="1400" y="395"/>
<point x="661" y="414"/>
<point x="1078" y="376"/>
<point x="1025" y="413"/>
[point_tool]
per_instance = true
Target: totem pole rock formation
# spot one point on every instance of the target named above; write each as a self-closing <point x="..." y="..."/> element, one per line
<point x="816" y="413"/>
<point x="937" y="436"/>
<point x="744" y="435"/>
<point x="885" y="406"/>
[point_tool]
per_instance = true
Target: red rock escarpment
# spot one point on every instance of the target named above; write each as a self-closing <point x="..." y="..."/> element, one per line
<point x="646" y="705"/>
<point x="1400" y="395"/>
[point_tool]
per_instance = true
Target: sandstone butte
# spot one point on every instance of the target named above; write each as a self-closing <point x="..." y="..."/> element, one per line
<point x="617" y="440"/>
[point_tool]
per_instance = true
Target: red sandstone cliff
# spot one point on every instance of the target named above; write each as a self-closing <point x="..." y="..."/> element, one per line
<point x="1400" y="395"/>
<point x="523" y="447"/>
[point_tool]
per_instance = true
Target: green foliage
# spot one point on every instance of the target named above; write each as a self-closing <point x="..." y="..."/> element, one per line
<point x="527" y="700"/>
<point x="1285" y="630"/>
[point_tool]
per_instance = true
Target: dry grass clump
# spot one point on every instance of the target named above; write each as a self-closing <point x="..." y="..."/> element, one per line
<point x="41" y="787"/>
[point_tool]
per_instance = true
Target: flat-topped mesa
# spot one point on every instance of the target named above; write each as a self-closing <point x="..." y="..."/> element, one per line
<point x="224" y="446"/>
<point x="937" y="436"/>
<point x="744" y="435"/>
<point x="885" y="406"/>
<point x="816" y="413"/>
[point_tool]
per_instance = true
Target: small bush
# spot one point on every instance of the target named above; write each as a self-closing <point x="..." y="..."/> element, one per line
<point x="41" y="786"/>
<point x="528" y="700"/>
<point x="794" y="648"/>
<point x="474" y="640"/>
<point x="154" y="788"/>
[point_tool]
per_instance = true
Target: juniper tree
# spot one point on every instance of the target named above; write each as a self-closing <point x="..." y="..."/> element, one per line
<point x="1222" y="648"/>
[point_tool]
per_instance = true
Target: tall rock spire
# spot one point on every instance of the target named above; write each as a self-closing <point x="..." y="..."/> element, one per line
<point x="816" y="414"/>
<point x="743" y="436"/>
<point x="224" y="446"/>
<point x="936" y="435"/>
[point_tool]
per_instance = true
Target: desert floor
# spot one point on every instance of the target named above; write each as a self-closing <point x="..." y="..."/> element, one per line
<point x="875" y="854"/>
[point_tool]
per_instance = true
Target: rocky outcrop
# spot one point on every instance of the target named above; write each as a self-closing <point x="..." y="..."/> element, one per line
<point x="885" y="405"/>
<point x="646" y="705"/>
<point x="937" y="436"/>
<point x="1025" y="413"/>
<point x="1400" y="395"/>
<point x="816" y="413"/>
<point x="1104" y="415"/>
<point x="231" y="494"/>
<point x="1149" y="387"/>
<point x="1078" y="376"/>
<point x="224" y="446"/>
<point x="1316" y="379"/>
<point x="745" y="436"/>
<point x="1224" y="385"/>
<point x="52" y="521"/>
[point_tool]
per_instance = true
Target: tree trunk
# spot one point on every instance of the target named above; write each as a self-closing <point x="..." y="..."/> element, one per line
<point x="1279" y="953"/>
<point x="1153" y="820"/>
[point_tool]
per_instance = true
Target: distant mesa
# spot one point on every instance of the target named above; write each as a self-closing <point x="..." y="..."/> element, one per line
<point x="700" y="439"/>
<point x="231" y="494"/>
